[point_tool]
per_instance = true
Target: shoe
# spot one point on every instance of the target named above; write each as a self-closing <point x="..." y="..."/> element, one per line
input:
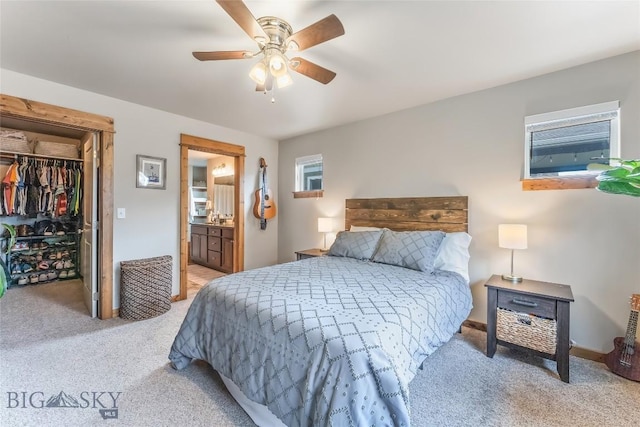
<point x="43" y="227"/>
<point x="62" y="275"/>
<point x="71" y="273"/>
<point x="23" y="280"/>
<point x="24" y="230"/>
<point x="26" y="268"/>
<point x="34" y="278"/>
<point x="43" y="277"/>
<point x="59" y="229"/>
<point x="58" y="265"/>
<point x="52" y="275"/>
<point x="44" y="265"/>
<point x="20" y="246"/>
<point x="68" y="264"/>
<point x="39" y="256"/>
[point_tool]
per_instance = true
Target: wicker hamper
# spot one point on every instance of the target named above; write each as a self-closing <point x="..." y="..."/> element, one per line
<point x="527" y="330"/>
<point x="145" y="287"/>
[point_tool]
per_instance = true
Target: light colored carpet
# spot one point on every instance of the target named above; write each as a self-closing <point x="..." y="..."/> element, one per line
<point x="49" y="344"/>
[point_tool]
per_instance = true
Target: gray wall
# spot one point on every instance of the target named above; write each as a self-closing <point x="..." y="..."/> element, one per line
<point x="473" y="145"/>
<point x="152" y="227"/>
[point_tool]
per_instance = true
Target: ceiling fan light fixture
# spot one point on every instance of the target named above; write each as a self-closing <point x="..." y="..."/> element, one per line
<point x="277" y="64"/>
<point x="258" y="72"/>
<point x="284" y="81"/>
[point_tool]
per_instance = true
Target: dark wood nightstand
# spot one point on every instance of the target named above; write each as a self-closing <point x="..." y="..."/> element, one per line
<point x="309" y="253"/>
<point x="532" y="316"/>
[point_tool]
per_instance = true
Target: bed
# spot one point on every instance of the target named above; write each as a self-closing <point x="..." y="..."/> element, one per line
<point x="335" y="340"/>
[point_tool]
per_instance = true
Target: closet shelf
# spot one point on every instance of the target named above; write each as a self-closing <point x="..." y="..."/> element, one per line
<point x="12" y="156"/>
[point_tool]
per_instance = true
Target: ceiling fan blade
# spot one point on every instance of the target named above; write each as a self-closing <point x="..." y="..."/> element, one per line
<point x="311" y="70"/>
<point x="243" y="17"/>
<point x="323" y="30"/>
<point x="218" y="55"/>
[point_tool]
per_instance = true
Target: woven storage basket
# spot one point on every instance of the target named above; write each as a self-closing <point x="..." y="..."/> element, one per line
<point x="56" y="149"/>
<point x="145" y="287"/>
<point x="527" y="330"/>
<point x="14" y="141"/>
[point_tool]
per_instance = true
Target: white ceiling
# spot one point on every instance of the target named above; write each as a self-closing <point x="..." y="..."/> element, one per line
<point x="394" y="54"/>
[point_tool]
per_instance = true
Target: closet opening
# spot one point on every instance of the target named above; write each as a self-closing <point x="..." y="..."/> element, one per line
<point x="57" y="171"/>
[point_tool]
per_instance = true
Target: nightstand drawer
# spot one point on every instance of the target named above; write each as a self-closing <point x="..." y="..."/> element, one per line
<point x="538" y="306"/>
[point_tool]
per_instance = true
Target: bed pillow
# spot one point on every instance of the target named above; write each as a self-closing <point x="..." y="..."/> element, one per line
<point x="416" y="250"/>
<point x="454" y="254"/>
<point x="362" y="228"/>
<point x="360" y="245"/>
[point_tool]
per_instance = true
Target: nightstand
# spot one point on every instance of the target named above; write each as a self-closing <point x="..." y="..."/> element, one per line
<point x="309" y="253"/>
<point x="531" y="316"/>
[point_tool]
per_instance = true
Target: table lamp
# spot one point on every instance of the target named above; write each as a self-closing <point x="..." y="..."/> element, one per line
<point x="325" y="225"/>
<point x="512" y="236"/>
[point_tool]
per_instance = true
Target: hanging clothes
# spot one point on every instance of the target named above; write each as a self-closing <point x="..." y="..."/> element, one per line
<point x="9" y="189"/>
<point x="33" y="186"/>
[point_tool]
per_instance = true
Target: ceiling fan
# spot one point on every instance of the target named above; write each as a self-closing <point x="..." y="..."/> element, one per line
<point x="275" y="38"/>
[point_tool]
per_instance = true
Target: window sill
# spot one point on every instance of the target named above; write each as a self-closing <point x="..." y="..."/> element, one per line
<point x="307" y="194"/>
<point x="564" y="183"/>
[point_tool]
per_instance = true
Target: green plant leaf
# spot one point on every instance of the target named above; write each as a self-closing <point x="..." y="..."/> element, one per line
<point x="615" y="187"/>
<point x="598" y="167"/>
<point x="3" y="279"/>
<point x="12" y="237"/>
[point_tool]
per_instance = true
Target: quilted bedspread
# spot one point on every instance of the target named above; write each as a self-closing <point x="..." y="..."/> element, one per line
<point x="324" y="341"/>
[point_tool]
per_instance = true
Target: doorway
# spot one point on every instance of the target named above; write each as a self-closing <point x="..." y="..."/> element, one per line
<point x="235" y="152"/>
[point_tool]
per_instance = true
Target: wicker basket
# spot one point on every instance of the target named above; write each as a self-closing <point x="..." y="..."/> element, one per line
<point x="527" y="330"/>
<point x="57" y="149"/>
<point x="14" y="141"/>
<point x="145" y="287"/>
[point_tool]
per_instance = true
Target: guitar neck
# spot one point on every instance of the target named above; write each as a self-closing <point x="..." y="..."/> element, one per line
<point x="632" y="327"/>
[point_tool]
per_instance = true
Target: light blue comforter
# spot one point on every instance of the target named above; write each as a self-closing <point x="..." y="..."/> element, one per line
<point x="324" y="341"/>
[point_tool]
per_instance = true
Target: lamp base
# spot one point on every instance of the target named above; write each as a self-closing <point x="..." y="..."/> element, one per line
<point x="512" y="278"/>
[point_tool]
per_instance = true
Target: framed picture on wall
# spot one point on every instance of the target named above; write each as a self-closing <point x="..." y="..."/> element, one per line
<point x="151" y="172"/>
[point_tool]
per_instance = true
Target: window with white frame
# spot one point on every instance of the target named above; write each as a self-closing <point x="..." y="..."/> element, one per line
<point x="563" y="143"/>
<point x="309" y="173"/>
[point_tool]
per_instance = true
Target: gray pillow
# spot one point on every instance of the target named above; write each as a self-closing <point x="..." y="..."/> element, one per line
<point x="416" y="250"/>
<point x="360" y="245"/>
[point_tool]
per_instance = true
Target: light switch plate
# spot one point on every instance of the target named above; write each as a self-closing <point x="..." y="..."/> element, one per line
<point x="121" y="213"/>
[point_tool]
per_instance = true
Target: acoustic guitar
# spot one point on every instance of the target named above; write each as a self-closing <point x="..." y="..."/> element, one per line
<point x="624" y="360"/>
<point x="264" y="207"/>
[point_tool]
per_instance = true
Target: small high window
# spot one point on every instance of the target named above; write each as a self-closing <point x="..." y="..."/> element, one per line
<point x="309" y="173"/>
<point x="563" y="143"/>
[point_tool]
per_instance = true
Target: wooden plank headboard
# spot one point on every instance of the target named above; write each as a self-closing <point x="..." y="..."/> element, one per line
<point x="448" y="214"/>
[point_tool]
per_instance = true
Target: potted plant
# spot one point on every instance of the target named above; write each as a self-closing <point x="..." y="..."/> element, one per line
<point x="4" y="282"/>
<point x="621" y="179"/>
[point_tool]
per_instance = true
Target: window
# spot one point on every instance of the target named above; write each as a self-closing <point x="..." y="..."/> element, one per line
<point x="563" y="143"/>
<point x="309" y="174"/>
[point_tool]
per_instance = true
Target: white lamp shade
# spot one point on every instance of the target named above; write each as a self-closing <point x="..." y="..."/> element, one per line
<point x="277" y="64"/>
<point x="284" y="81"/>
<point x="258" y="73"/>
<point x="512" y="236"/>
<point x="325" y="225"/>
